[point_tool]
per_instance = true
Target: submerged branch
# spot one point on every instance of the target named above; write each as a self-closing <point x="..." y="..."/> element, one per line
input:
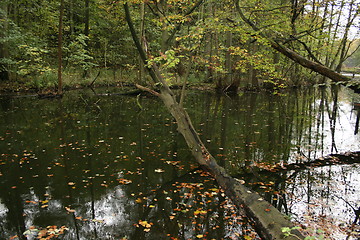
<point x="332" y="159"/>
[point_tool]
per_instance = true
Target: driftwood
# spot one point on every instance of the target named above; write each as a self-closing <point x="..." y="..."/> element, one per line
<point x="267" y="219"/>
<point x="49" y="95"/>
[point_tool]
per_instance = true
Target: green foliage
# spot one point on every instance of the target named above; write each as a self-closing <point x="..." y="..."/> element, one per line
<point x="44" y="80"/>
<point x="287" y="232"/>
<point x="174" y="35"/>
<point x="32" y="63"/>
<point x="167" y="60"/>
<point x="77" y="54"/>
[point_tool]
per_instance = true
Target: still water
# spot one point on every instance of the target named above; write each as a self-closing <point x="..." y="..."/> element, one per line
<point x="108" y="166"/>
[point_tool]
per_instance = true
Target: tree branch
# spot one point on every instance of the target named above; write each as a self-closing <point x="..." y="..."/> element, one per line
<point x="147" y="90"/>
<point x="177" y="28"/>
<point x="319" y="68"/>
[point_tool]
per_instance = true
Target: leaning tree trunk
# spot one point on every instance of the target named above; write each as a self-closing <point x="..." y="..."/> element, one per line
<point x="268" y="220"/>
<point x="317" y="67"/>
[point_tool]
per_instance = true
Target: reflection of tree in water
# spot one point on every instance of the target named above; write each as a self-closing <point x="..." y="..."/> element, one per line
<point x="12" y="199"/>
<point x="100" y="145"/>
<point x="357" y="110"/>
<point x="314" y="126"/>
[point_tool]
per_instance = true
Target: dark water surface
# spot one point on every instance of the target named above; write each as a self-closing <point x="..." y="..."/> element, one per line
<point x="105" y="169"/>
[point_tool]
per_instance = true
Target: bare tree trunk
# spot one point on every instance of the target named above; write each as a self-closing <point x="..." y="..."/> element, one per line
<point x="60" y="40"/>
<point x="142" y="41"/>
<point x="165" y="33"/>
<point x="228" y="62"/>
<point x="336" y="31"/>
<point x="344" y="43"/>
<point x="253" y="80"/>
<point x="4" y="53"/>
<point x="86" y="30"/>
<point x="71" y="17"/>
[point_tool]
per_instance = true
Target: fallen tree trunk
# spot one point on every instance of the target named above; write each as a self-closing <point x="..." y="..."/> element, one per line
<point x="267" y="219"/>
<point x="332" y="159"/>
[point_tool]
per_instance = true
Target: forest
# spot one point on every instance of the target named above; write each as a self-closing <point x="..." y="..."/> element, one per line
<point x="179" y="119"/>
<point x="230" y="44"/>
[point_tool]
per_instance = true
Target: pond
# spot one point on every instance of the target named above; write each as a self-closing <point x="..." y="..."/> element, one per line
<point x="108" y="166"/>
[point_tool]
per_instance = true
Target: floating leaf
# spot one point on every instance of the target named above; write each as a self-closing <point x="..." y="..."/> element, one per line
<point x="124" y="181"/>
<point x="240" y="181"/>
<point x="197" y="212"/>
<point x="145" y="224"/>
<point x="69" y="210"/>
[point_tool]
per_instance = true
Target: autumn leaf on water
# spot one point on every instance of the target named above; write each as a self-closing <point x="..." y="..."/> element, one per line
<point x="146" y="225"/>
<point x="69" y="210"/>
<point x="32" y="230"/>
<point x="45" y="233"/>
<point x="240" y="181"/>
<point x="97" y="220"/>
<point x="199" y="211"/>
<point x="124" y="181"/>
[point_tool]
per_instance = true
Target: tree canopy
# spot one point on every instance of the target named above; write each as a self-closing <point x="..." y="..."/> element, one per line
<point x="229" y="43"/>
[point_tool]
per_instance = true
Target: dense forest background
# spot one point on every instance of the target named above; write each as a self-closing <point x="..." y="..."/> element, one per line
<point x="198" y="41"/>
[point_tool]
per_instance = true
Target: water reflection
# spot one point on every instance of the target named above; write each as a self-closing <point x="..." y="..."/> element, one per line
<point x="105" y="169"/>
